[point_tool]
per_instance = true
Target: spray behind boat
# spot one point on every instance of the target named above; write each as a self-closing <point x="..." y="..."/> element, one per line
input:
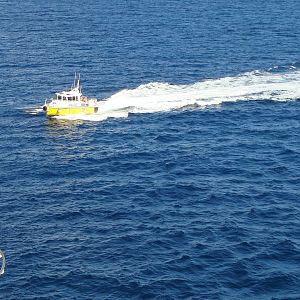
<point x="2" y="259"/>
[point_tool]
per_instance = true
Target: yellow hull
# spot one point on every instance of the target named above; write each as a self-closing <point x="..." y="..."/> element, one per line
<point x="55" y="111"/>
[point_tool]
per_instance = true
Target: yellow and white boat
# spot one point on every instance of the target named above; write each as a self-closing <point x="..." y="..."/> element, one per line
<point x="71" y="102"/>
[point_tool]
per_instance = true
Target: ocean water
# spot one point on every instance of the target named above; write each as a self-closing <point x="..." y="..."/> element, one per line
<point x="186" y="185"/>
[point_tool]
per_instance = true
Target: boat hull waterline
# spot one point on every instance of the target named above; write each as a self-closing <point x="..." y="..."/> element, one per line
<point x="65" y="111"/>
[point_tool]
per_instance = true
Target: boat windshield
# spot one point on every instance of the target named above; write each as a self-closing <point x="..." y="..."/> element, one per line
<point x="66" y="97"/>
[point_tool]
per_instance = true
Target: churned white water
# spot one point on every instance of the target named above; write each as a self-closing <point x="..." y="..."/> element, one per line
<point x="158" y="97"/>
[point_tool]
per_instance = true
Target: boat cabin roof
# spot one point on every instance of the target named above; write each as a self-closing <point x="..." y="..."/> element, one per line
<point x="71" y="93"/>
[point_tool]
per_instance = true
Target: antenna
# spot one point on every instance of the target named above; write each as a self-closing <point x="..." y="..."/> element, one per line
<point x="75" y="80"/>
<point x="78" y="82"/>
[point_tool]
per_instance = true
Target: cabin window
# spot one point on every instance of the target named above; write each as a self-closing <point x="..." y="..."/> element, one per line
<point x="70" y="98"/>
<point x="74" y="98"/>
<point x="58" y="97"/>
<point x="64" y="98"/>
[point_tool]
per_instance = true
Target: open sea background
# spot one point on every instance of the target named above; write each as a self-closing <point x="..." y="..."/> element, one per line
<point x="187" y="183"/>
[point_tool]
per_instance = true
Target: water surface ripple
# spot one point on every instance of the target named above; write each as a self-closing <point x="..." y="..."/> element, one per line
<point x="193" y="193"/>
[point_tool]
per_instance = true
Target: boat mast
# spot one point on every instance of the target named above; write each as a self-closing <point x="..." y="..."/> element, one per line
<point x="78" y="83"/>
<point x="74" y="84"/>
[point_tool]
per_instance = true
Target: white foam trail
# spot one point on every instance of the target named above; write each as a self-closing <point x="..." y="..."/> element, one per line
<point x="2" y="269"/>
<point x="33" y="110"/>
<point x="157" y="97"/>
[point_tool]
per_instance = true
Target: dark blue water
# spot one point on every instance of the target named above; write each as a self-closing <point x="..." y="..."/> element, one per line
<point x="178" y="198"/>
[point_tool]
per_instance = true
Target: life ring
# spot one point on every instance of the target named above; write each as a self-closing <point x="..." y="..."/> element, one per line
<point x="84" y="99"/>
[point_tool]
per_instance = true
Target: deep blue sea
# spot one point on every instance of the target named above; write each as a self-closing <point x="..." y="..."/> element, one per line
<point x="186" y="185"/>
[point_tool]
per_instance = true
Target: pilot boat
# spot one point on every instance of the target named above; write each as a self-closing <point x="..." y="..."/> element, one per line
<point x="71" y="102"/>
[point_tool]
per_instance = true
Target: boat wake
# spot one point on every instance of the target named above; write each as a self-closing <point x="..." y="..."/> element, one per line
<point x="158" y="97"/>
<point x="35" y="110"/>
